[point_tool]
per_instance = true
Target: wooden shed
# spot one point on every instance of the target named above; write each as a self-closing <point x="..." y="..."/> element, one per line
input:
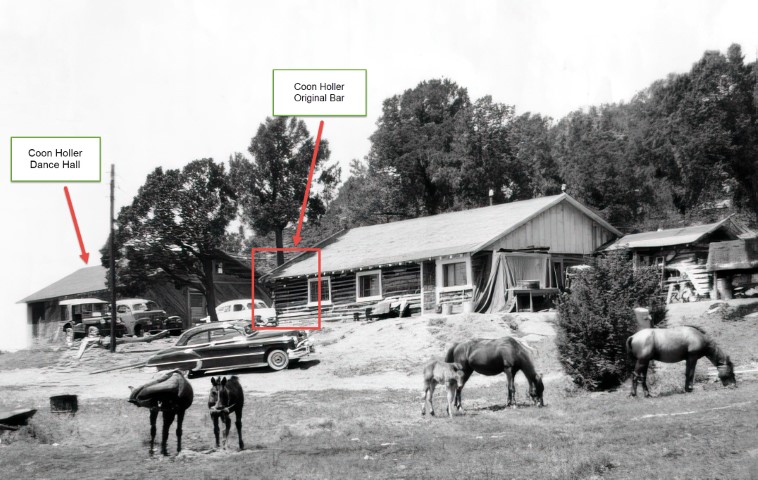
<point x="439" y="260"/>
<point x="681" y="252"/>
<point x="735" y="261"/>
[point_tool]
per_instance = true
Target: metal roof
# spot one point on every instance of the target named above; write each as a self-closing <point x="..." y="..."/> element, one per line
<point x="451" y="233"/>
<point x="674" y="236"/>
<point x="84" y="280"/>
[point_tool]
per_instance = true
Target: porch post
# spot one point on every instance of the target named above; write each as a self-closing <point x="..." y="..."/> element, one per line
<point x="421" y="287"/>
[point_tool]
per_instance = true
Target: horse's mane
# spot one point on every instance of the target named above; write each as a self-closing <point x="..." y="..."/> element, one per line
<point x="699" y="329"/>
<point x="523" y="344"/>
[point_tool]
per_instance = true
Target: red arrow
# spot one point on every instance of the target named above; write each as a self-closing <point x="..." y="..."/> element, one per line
<point x="84" y="256"/>
<point x="296" y="238"/>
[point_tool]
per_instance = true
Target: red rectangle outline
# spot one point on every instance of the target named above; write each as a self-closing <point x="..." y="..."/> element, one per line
<point x="252" y="285"/>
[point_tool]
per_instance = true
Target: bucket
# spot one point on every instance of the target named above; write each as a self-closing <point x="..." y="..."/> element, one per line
<point x="643" y="318"/>
<point x="447" y="309"/>
<point x="468" y="307"/>
<point x="724" y="288"/>
<point x="64" y="404"/>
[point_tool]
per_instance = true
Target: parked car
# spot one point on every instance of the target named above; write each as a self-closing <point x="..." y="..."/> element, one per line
<point x="145" y="316"/>
<point x="240" y="310"/>
<point x="83" y="317"/>
<point x="224" y="346"/>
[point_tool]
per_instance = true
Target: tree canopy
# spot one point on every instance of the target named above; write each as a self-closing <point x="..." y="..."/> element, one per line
<point x="174" y="227"/>
<point x="666" y="158"/>
<point x="270" y="188"/>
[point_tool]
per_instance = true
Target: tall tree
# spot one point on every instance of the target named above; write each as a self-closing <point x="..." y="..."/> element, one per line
<point x="591" y="151"/>
<point x="270" y="188"/>
<point x="414" y="140"/>
<point x="174" y="227"/>
<point x="531" y="144"/>
<point x="483" y="147"/>
<point x="742" y="120"/>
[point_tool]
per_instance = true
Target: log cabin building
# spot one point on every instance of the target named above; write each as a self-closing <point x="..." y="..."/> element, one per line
<point x="486" y="259"/>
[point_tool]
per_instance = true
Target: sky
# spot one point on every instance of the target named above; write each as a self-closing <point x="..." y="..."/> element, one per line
<point x="166" y="82"/>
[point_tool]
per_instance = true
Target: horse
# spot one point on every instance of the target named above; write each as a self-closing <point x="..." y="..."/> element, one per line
<point x="492" y="357"/>
<point x="672" y="345"/>
<point x="438" y="372"/>
<point x="171" y="394"/>
<point x="226" y="397"/>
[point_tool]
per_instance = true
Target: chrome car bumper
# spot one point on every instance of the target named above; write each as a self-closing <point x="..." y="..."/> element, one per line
<point x="302" y="350"/>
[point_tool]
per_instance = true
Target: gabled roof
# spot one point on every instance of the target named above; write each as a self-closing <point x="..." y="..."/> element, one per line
<point x="452" y="233"/>
<point x="676" y="236"/>
<point x="84" y="280"/>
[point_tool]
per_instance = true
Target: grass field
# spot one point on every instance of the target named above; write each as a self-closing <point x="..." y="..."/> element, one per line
<point x="710" y="433"/>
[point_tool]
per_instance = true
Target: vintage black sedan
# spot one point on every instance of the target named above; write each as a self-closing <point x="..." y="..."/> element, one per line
<point x="221" y="346"/>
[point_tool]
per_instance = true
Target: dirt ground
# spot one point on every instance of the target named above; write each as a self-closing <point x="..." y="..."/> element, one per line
<point x="350" y="356"/>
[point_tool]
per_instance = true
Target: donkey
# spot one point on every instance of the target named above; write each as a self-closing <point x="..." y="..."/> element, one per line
<point x="439" y="372"/>
<point x="672" y="345"/>
<point x="226" y="397"/>
<point x="492" y="357"/>
<point x="171" y="394"/>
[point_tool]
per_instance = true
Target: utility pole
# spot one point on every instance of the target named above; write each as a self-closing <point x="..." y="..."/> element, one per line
<point x="113" y="262"/>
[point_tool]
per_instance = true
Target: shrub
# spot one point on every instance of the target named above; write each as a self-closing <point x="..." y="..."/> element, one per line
<point x="597" y="317"/>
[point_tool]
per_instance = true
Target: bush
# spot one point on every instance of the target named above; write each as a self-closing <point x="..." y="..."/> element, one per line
<point x="597" y="317"/>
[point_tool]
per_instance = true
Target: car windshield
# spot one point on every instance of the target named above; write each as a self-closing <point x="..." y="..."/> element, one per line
<point x="143" y="307"/>
<point x="260" y="304"/>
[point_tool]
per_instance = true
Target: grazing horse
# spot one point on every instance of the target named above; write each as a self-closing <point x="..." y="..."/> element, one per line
<point x="672" y="345"/>
<point x="492" y="357"/>
<point x="171" y="394"/>
<point x="226" y="397"/>
<point x="448" y="374"/>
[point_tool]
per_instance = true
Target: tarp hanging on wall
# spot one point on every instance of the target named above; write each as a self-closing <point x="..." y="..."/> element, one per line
<point x="507" y="270"/>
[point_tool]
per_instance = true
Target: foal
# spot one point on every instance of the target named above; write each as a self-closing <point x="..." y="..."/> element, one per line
<point x="226" y="397"/>
<point x="439" y="372"/>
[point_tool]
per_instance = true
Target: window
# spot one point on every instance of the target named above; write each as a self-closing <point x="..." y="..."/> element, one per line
<point x="368" y="285"/>
<point x="122" y="309"/>
<point x="454" y="274"/>
<point x="326" y="291"/>
<point x="199" y="339"/>
<point x="238" y="307"/>
<point x="221" y="335"/>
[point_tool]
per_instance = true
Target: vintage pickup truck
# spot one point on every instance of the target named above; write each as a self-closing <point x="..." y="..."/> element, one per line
<point x="84" y="317"/>
<point x="145" y="316"/>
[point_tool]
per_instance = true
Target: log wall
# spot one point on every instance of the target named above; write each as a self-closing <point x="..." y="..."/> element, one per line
<point x="291" y="295"/>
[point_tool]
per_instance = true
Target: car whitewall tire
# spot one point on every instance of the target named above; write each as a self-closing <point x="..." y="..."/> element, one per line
<point x="277" y="360"/>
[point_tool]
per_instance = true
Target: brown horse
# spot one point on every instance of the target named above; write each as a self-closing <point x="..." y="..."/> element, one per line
<point x="226" y="397"/>
<point x="492" y="357"/>
<point x="672" y="345"/>
<point x="448" y="374"/>
<point x="171" y="394"/>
